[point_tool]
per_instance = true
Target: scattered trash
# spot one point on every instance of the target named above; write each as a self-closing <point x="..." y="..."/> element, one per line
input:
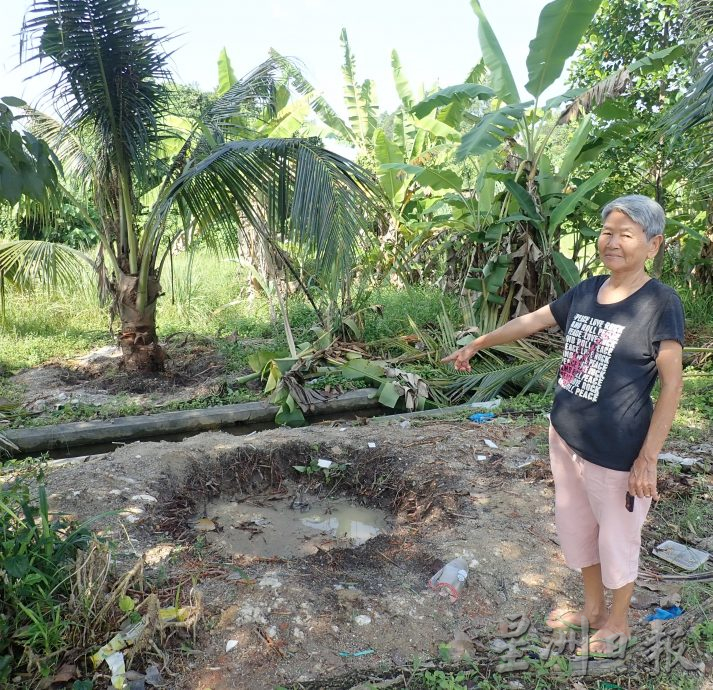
<point x="405" y="424"/>
<point x="683" y="556"/>
<point x="268" y="580"/>
<point x="489" y="443"/>
<point x="118" y="642"/>
<point x="146" y="498"/>
<point x="644" y="600"/>
<point x="205" y="525"/>
<point x="112" y="654"/>
<point x="153" y="676"/>
<point x="342" y="428"/>
<point x="526" y="463"/>
<point x="298" y="500"/>
<point x="486" y="404"/>
<point x="371" y="444"/>
<point x="450" y="579"/>
<point x="665" y="614"/>
<point x="480" y="417"/>
<point x="362" y="619"/>
<point x="117" y="666"/>
<point x="481" y="457"/>
<point x="677" y="459"/>
<point x="230" y="645"/>
<point x="363" y="652"/>
<point x="323" y="463"/>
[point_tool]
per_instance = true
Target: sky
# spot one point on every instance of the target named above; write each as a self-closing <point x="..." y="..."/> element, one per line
<point x="436" y="42"/>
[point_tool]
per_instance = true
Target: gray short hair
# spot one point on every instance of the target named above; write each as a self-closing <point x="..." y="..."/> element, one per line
<point x="642" y="210"/>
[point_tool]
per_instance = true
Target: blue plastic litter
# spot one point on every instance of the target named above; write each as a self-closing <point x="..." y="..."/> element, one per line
<point x="481" y="417"/>
<point x="363" y="652"/>
<point x="665" y="614"/>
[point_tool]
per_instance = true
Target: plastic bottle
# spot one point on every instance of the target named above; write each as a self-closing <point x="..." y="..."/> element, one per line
<point x="450" y="579"/>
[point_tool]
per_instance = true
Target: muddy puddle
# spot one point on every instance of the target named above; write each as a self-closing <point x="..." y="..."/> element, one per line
<point x="290" y="525"/>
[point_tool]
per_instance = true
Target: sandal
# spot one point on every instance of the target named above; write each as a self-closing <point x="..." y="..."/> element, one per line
<point x="615" y="647"/>
<point x="562" y="623"/>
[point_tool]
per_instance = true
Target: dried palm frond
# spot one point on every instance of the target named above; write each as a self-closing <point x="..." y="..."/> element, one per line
<point x="611" y="87"/>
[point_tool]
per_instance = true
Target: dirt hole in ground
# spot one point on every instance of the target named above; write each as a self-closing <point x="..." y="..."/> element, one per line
<point x="294" y="501"/>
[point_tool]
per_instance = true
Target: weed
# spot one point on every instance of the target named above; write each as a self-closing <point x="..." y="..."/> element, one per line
<point x="37" y="552"/>
<point x="702" y="633"/>
<point x="441" y="680"/>
<point x="328" y="469"/>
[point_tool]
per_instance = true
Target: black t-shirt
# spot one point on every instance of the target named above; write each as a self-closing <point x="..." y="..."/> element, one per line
<point x="602" y="406"/>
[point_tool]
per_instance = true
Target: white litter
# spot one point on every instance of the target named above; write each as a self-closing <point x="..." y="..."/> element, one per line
<point x="326" y="464"/>
<point x="481" y="457"/>
<point x="486" y="404"/>
<point x="683" y="556"/>
<point x="371" y="444"/>
<point x="677" y="459"/>
<point x="489" y="443"/>
<point x="230" y="645"/>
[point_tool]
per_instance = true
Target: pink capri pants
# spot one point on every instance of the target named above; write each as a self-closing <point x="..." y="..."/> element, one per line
<point x="592" y="521"/>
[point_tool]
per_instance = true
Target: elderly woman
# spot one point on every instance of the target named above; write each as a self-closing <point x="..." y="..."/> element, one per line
<point x="622" y="330"/>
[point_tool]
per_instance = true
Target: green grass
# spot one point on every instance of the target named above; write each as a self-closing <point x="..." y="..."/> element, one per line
<point x="214" y="301"/>
<point x="695" y="413"/>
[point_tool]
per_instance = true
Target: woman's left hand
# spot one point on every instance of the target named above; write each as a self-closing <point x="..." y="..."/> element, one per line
<point x="642" y="478"/>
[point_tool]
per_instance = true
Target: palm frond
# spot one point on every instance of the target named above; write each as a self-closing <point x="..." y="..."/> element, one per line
<point x="491" y="375"/>
<point x="230" y="116"/>
<point x="111" y="69"/>
<point x="28" y="263"/>
<point x="612" y="86"/>
<point x="251" y="97"/>
<point x="77" y="159"/>
<point x="291" y="188"/>
<point x="317" y="101"/>
<point x="696" y="106"/>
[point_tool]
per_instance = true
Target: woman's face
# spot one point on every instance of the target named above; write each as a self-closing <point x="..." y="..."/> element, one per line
<point x="623" y="246"/>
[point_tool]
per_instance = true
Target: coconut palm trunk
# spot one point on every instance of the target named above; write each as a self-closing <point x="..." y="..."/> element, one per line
<point x="138" y="340"/>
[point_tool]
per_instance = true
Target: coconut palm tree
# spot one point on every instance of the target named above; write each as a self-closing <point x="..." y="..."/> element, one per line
<point x="110" y="91"/>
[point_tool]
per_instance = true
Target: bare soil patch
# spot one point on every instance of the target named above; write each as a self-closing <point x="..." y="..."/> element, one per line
<point x="298" y="622"/>
<point x="195" y="368"/>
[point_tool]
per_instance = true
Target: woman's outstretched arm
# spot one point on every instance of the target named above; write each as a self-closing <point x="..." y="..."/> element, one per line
<point x="518" y="328"/>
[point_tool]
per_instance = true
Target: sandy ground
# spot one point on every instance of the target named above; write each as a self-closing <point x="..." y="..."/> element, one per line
<point x="299" y="621"/>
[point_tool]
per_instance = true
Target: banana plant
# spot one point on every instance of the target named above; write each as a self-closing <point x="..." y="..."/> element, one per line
<point x="413" y="160"/>
<point x="534" y="243"/>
